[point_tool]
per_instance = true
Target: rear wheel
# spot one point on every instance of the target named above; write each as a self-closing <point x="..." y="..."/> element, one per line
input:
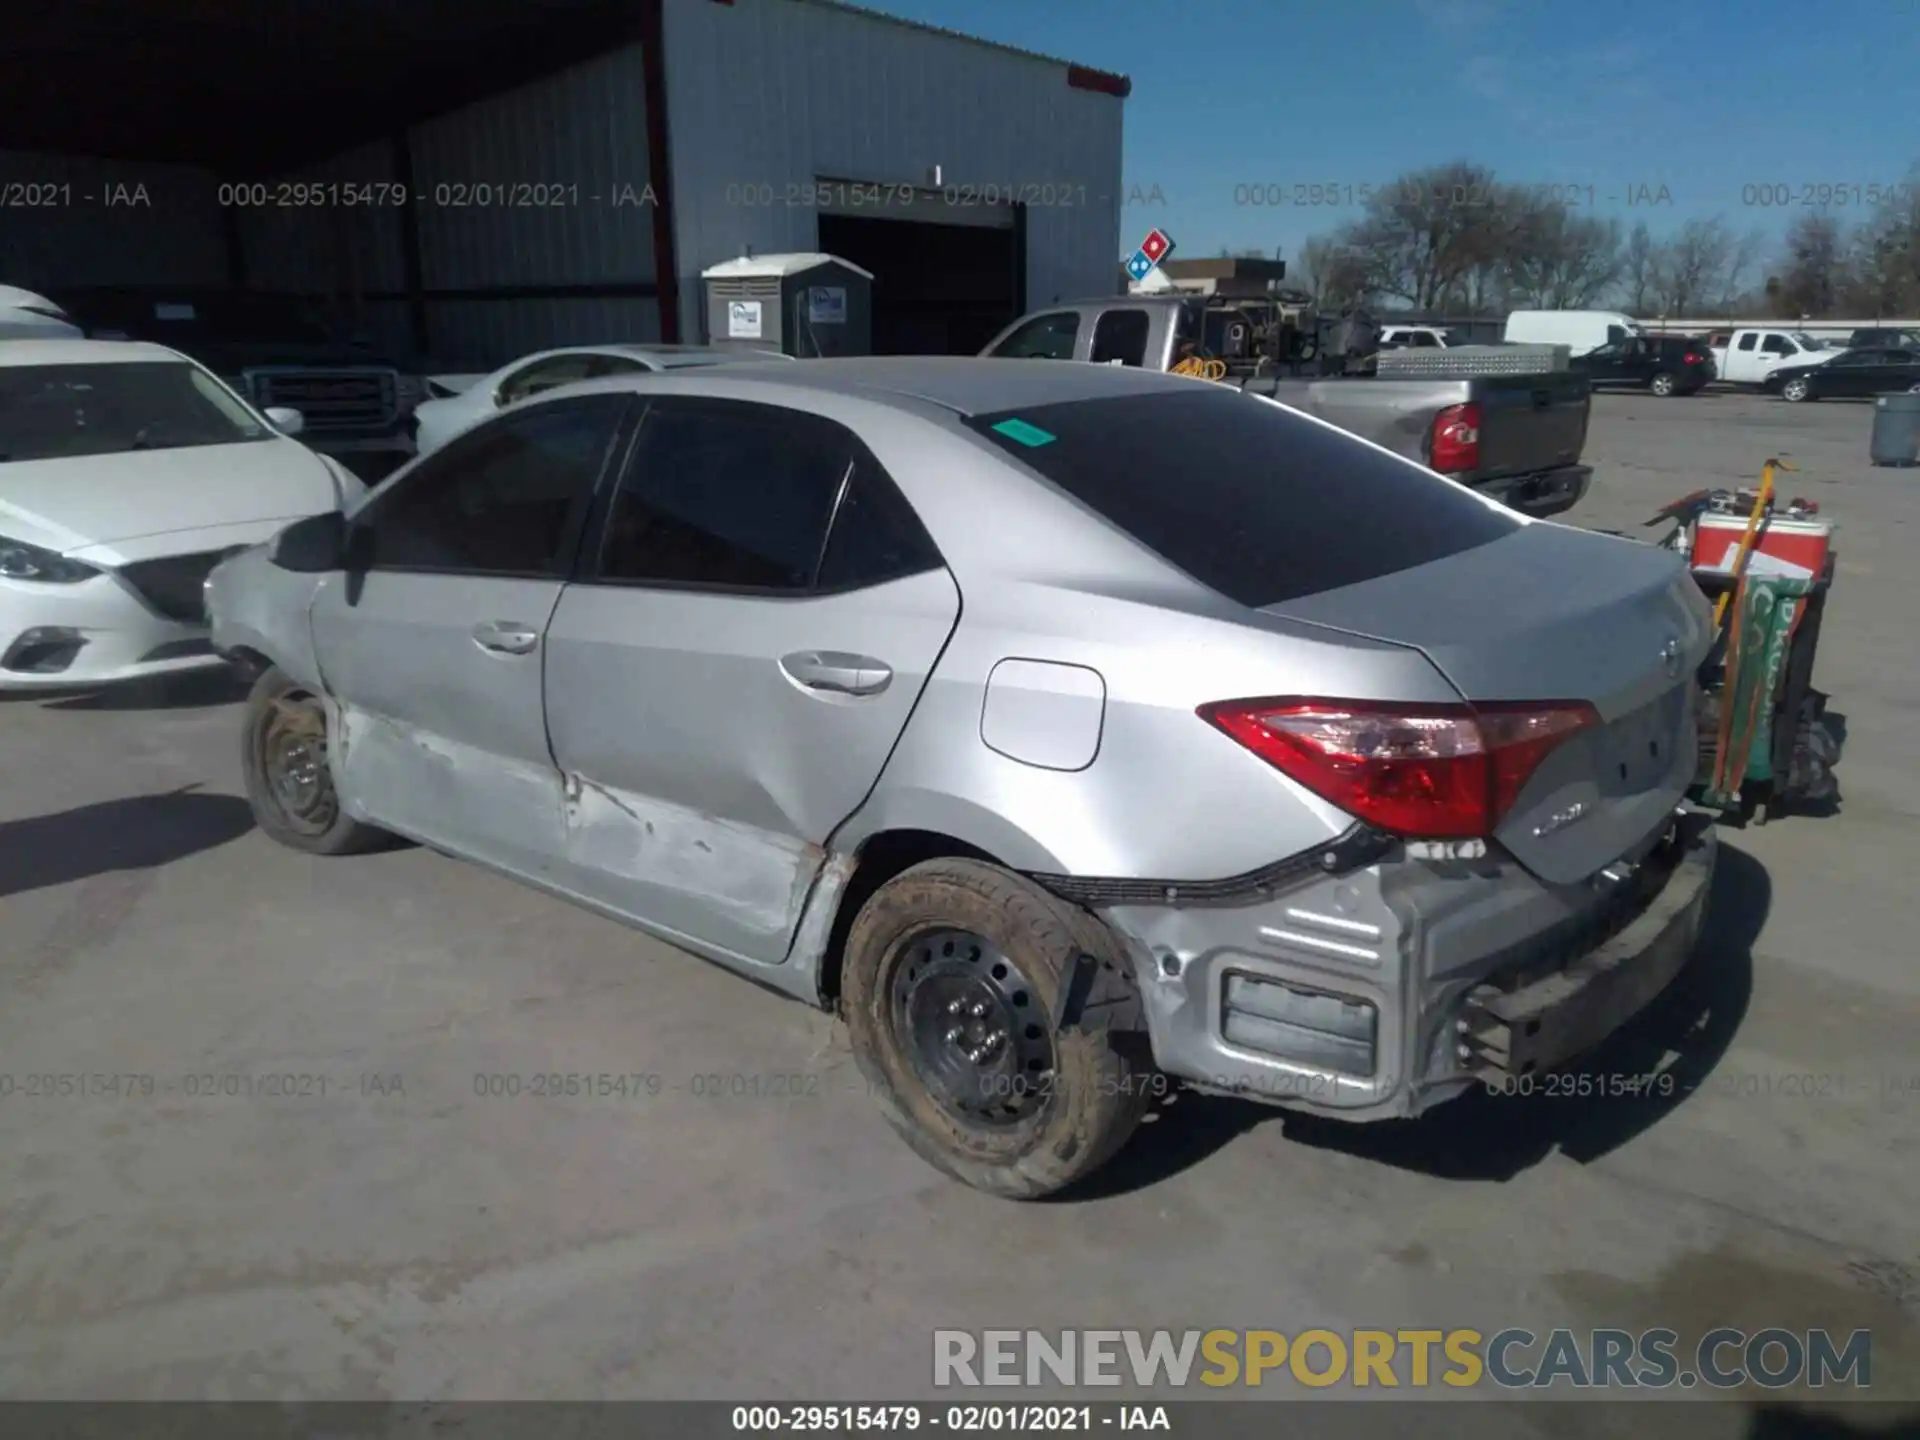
<point x="289" y="780"/>
<point x="1796" y="390"/>
<point x="1661" y="385"/>
<point x="953" y="975"/>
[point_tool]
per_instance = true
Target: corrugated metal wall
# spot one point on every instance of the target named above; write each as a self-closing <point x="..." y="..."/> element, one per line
<point x="543" y="185"/>
<point x="776" y="93"/>
<point x="348" y="248"/>
<point x="72" y="222"/>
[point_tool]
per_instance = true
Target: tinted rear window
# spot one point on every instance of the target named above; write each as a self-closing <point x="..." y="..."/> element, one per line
<point x="1259" y="503"/>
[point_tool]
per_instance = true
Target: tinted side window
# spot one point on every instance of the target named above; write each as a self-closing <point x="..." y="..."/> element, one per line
<point x="501" y="499"/>
<point x="1259" y="503"/>
<point x="1776" y="345"/>
<point x="1747" y="340"/>
<point x="1045" y="337"/>
<point x="1120" y="335"/>
<point x="1616" y="334"/>
<point x="726" y="493"/>
<point x="876" y="536"/>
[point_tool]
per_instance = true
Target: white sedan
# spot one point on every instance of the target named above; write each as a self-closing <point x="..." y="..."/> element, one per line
<point x="127" y="471"/>
<point x="437" y="421"/>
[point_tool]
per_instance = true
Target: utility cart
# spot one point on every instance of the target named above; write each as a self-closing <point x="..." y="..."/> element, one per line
<point x="1765" y="741"/>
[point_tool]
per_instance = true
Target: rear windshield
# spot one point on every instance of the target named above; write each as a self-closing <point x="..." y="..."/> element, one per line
<point x="1249" y="498"/>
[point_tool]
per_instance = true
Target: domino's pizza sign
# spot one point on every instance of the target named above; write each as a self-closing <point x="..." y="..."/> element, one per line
<point x="1155" y="248"/>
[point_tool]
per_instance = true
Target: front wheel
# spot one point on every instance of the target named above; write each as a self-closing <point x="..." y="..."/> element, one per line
<point x="288" y="778"/>
<point x="953" y="977"/>
<point x="1796" y="390"/>
<point x="1661" y="385"/>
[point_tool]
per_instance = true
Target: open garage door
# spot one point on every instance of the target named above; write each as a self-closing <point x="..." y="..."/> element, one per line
<point x="941" y="288"/>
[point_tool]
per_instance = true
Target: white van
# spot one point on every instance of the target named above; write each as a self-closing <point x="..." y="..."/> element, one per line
<point x="1581" y="331"/>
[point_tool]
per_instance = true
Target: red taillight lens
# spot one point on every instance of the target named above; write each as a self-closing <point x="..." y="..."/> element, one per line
<point x="1692" y="359"/>
<point x="1454" y="445"/>
<point x="1433" y="771"/>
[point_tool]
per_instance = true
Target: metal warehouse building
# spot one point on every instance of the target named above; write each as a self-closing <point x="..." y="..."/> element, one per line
<point x="481" y="179"/>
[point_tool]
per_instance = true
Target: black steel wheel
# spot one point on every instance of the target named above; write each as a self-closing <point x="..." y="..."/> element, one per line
<point x="288" y="775"/>
<point x="952" y="976"/>
<point x="971" y="1026"/>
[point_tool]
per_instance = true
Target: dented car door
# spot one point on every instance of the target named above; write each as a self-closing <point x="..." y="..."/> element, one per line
<point x="431" y="642"/>
<point x="729" y="674"/>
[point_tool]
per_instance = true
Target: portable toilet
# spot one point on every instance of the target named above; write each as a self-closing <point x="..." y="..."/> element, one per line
<point x="804" y="305"/>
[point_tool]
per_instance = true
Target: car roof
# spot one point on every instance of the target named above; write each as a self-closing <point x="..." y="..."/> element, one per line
<point x="667" y="357"/>
<point x="83" y="352"/>
<point x="965" y="385"/>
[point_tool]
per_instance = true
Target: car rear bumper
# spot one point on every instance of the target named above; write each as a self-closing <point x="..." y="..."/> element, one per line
<point x="1380" y="993"/>
<point x="1540" y="493"/>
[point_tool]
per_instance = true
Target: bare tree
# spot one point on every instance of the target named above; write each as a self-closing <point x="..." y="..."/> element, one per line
<point x="1639" y="269"/>
<point x="1885" y="255"/>
<point x="1813" y="275"/>
<point x="1742" y="259"/>
<point x="1335" y="275"/>
<point x="1559" y="260"/>
<point x="1420" y="236"/>
<point x="1692" y="266"/>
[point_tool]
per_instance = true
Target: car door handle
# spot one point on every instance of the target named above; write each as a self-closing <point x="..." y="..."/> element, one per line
<point x="506" y="637"/>
<point x="837" y="672"/>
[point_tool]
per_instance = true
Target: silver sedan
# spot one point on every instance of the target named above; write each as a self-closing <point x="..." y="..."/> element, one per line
<point x="1072" y="731"/>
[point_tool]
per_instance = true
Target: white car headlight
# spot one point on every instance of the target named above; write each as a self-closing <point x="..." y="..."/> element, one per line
<point x="21" y="561"/>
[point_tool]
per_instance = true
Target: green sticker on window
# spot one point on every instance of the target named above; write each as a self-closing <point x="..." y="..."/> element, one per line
<point x="1024" y="433"/>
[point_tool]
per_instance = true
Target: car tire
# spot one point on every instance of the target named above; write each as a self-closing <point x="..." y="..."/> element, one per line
<point x="1662" y="385"/>
<point x="1796" y="390"/>
<point x="938" y="963"/>
<point x="289" y="784"/>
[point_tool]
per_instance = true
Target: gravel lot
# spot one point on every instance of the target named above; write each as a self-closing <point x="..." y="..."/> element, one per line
<point x="392" y="1233"/>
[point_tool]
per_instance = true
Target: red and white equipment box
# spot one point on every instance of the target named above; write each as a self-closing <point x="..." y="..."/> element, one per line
<point x="1794" y="549"/>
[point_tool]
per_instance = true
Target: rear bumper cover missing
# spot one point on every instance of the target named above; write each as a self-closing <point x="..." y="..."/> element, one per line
<point x="1428" y="958"/>
<point x="1552" y="1019"/>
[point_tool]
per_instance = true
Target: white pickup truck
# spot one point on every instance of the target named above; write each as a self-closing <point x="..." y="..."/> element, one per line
<point x="1748" y="357"/>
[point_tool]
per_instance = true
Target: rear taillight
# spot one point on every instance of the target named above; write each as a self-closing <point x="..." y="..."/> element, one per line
<point x="1454" y="444"/>
<point x="1692" y="359"/>
<point x="1430" y="771"/>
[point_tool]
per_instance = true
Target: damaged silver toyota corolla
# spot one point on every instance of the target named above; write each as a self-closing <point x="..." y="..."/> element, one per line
<point x="1064" y="727"/>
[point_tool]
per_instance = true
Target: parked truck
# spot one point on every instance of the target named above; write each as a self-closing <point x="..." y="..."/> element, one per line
<point x="1514" y="437"/>
<point x="276" y="350"/>
<point x="1747" y="357"/>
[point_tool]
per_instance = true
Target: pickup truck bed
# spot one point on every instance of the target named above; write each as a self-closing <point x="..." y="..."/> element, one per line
<point x="1533" y="428"/>
<point x="1518" y="437"/>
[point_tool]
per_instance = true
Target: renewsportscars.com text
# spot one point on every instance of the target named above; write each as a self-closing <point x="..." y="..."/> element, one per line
<point x="1514" y="1358"/>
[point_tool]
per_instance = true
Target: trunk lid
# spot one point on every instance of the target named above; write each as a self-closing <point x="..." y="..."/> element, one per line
<point x="1531" y="422"/>
<point x="1553" y="613"/>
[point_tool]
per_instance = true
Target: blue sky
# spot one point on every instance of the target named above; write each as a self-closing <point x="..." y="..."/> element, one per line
<point x="1251" y="93"/>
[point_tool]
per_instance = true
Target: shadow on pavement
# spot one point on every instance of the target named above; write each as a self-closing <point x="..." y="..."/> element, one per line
<point x="1787" y="1422"/>
<point x="141" y="833"/>
<point x="189" y="690"/>
<point x="1680" y="1037"/>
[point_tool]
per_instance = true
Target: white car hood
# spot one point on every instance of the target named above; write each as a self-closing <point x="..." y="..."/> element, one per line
<point x="69" y="504"/>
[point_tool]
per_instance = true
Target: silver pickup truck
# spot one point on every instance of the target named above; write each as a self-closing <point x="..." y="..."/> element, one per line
<point x="1516" y="438"/>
